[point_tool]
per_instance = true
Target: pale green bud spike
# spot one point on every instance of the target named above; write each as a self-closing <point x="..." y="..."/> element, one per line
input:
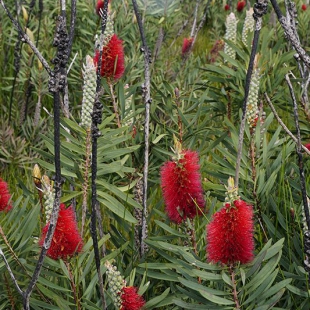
<point x="232" y="191"/>
<point x="231" y="34"/>
<point x="116" y="283"/>
<point x="252" y="111"/>
<point x="89" y="92"/>
<point x="48" y="194"/>
<point x="248" y="25"/>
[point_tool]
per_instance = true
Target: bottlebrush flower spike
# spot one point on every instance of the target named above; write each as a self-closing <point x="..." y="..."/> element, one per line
<point x="304" y="7"/>
<point x="231" y="34"/>
<point x="307" y="146"/>
<point x="181" y="186"/>
<point x="131" y="300"/>
<point x="187" y="43"/>
<point x="227" y="7"/>
<point x="67" y="240"/>
<point x="230" y="232"/>
<point x="5" y="197"/>
<point x="240" y="6"/>
<point x="113" y="62"/>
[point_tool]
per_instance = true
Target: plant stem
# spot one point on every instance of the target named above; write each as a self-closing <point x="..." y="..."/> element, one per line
<point x="290" y="34"/>
<point x="115" y="106"/>
<point x="96" y="120"/>
<point x="234" y="290"/>
<point x="146" y="89"/>
<point x="260" y="8"/>
<point x="282" y="124"/>
<point x="299" y="153"/>
<point x="75" y="295"/>
<point x="25" y="38"/>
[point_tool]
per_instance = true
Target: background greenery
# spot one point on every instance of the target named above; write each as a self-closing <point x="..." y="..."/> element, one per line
<point x="171" y="275"/>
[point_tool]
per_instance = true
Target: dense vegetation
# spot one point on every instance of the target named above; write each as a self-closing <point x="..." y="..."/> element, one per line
<point x="200" y="94"/>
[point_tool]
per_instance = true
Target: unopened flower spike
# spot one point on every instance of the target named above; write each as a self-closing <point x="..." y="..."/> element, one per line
<point x="232" y="191"/>
<point x="89" y="91"/>
<point x="49" y="196"/>
<point x="252" y="111"/>
<point x="36" y="174"/>
<point x="248" y="25"/>
<point x="177" y="149"/>
<point x="231" y="34"/>
<point x="116" y="283"/>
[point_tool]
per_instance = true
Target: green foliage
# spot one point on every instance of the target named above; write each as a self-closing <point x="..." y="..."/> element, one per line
<point x="197" y="101"/>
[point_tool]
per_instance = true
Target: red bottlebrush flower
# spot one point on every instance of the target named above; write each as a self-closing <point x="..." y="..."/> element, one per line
<point x="4" y="197"/>
<point x="67" y="240"/>
<point x="181" y="186"/>
<point x="113" y="62"/>
<point x="227" y="7"/>
<point x="304" y="7"/>
<point x="99" y="6"/>
<point x="230" y="234"/>
<point x="240" y="6"/>
<point x="187" y="43"/>
<point x="131" y="300"/>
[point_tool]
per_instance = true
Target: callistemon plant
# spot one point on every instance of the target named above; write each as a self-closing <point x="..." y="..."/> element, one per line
<point x="248" y="25"/>
<point x="5" y="197"/>
<point x="124" y="297"/>
<point x="230" y="232"/>
<point x="181" y="185"/>
<point x="231" y="34"/>
<point x="89" y="91"/>
<point x="67" y="240"/>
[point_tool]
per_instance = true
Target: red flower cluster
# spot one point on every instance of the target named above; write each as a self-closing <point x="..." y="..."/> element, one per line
<point x="99" y="6"/>
<point x="131" y="300"/>
<point x="230" y="234"/>
<point x="113" y="62"/>
<point x="181" y="186"/>
<point x="227" y="7"/>
<point x="67" y="240"/>
<point x="4" y="197"/>
<point x="304" y="7"/>
<point x="187" y="43"/>
<point x="240" y="6"/>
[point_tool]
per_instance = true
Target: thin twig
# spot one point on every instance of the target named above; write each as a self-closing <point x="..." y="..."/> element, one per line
<point x="282" y="124"/>
<point x="56" y="85"/>
<point x="146" y="89"/>
<point x="115" y="106"/>
<point x="290" y="35"/>
<point x="234" y="288"/>
<point x="11" y="272"/>
<point x="260" y="8"/>
<point x="96" y="120"/>
<point x="25" y="38"/>
<point x="299" y="153"/>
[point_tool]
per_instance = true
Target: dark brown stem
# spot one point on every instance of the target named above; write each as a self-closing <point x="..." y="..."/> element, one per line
<point x="178" y="103"/>
<point x="85" y="177"/>
<point x="234" y="286"/>
<point x="73" y="287"/>
<point x="115" y="106"/>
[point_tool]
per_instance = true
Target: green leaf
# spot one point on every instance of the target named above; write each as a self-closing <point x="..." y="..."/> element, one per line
<point x="215" y="299"/>
<point x="151" y="304"/>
